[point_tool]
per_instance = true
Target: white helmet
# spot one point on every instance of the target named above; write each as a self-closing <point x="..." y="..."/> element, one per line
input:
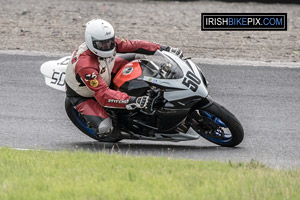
<point x="100" y="38"/>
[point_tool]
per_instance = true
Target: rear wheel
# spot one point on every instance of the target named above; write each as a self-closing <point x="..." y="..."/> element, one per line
<point x="81" y="124"/>
<point x="218" y="125"/>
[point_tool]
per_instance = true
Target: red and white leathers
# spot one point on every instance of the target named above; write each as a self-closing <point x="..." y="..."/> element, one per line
<point x="88" y="77"/>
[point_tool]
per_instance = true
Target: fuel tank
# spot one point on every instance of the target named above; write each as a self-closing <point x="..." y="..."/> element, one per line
<point x="126" y="80"/>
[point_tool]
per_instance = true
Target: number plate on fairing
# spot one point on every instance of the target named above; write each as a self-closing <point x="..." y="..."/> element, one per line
<point x="54" y="73"/>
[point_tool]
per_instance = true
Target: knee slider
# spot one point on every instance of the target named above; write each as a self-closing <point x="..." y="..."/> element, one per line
<point x="105" y="127"/>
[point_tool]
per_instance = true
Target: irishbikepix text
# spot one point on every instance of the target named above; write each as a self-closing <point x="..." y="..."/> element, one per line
<point x="249" y="21"/>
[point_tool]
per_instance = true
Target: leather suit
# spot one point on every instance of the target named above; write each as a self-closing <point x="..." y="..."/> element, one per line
<point x="88" y="78"/>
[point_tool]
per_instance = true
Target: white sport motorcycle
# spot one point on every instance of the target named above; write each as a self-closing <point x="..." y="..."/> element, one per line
<point x="180" y="110"/>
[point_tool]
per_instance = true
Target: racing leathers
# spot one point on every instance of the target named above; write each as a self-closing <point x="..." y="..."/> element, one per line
<point x="88" y="78"/>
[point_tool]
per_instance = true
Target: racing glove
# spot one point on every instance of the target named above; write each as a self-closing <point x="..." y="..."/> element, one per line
<point x="137" y="102"/>
<point x="173" y="50"/>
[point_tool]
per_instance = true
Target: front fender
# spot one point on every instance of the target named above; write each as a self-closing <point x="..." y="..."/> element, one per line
<point x="205" y="102"/>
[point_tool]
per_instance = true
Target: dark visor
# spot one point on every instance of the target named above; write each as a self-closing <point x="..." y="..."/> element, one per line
<point x="104" y="45"/>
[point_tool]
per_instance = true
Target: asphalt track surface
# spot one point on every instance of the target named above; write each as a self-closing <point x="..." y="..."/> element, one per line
<point x="265" y="99"/>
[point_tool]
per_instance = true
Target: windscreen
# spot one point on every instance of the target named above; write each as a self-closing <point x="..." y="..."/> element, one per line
<point x="162" y="66"/>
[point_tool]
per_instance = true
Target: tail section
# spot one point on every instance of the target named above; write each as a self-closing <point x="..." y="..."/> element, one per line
<point x="54" y="72"/>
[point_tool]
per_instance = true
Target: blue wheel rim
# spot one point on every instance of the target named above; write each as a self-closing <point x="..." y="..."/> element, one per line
<point x="221" y="125"/>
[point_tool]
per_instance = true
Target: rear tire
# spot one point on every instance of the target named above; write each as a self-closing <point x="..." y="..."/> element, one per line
<point x="226" y="121"/>
<point x="81" y="124"/>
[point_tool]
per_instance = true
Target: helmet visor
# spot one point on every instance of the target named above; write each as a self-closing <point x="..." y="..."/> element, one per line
<point x="104" y="45"/>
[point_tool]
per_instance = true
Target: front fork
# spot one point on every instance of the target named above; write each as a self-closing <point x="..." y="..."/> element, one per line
<point x="214" y="119"/>
<point x="208" y="120"/>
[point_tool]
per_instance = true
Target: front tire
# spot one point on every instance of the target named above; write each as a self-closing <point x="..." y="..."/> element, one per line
<point x="218" y="125"/>
<point x="81" y="124"/>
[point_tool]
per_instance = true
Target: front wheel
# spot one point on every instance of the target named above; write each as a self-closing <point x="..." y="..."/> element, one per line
<point x="81" y="124"/>
<point x="218" y="125"/>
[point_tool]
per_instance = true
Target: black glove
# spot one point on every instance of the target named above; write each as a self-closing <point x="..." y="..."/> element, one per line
<point x="173" y="50"/>
<point x="138" y="102"/>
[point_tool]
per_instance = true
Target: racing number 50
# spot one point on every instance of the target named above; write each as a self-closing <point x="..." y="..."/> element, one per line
<point x="191" y="81"/>
<point x="58" y="78"/>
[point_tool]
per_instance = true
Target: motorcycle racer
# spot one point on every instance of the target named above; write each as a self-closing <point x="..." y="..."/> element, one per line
<point x="92" y="68"/>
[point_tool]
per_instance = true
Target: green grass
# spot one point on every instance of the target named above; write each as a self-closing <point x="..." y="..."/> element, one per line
<point x="85" y="175"/>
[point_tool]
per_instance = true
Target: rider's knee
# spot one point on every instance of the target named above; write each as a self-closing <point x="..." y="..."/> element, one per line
<point x="105" y="127"/>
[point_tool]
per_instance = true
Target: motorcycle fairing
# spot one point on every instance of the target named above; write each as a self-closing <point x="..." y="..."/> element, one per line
<point x="135" y="87"/>
<point x="191" y="134"/>
<point x="189" y="86"/>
